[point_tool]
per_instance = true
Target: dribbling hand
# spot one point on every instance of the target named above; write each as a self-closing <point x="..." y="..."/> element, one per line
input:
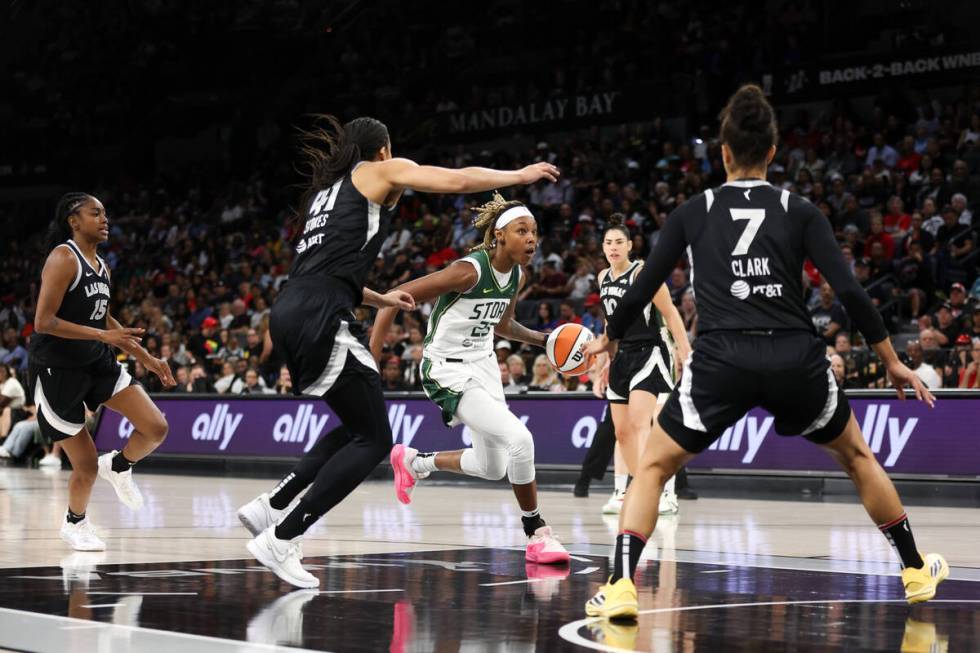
<point x="900" y="376"/>
<point x="598" y="345"/>
<point x="537" y="171"/>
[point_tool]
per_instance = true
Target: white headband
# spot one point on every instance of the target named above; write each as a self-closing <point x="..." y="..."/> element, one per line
<point x="512" y="214"/>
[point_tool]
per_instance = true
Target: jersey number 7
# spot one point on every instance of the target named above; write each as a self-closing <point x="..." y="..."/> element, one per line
<point x="755" y="218"/>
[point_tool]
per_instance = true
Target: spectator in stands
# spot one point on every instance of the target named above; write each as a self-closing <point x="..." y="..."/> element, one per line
<point x="878" y="235"/>
<point x="959" y="303"/>
<point x="551" y="284"/>
<point x="678" y="285"/>
<point x="926" y="372"/>
<point x="896" y="221"/>
<point x="510" y="387"/>
<point x="947" y="329"/>
<point x="23" y="433"/>
<point x="544" y="377"/>
<point x="518" y="370"/>
<point x="545" y="321"/>
<point x="593" y="319"/>
<point x="837" y="367"/>
<point x="198" y="380"/>
<point x="970" y="373"/>
<point x="16" y="352"/>
<point x="974" y="330"/>
<point x="689" y="313"/>
<point x="828" y="316"/>
<point x="566" y="314"/>
<point x="842" y="343"/>
<point x="503" y="349"/>
<point x="253" y="341"/>
<point x="929" y="343"/>
<point x="391" y="375"/>
<point x="230" y="382"/>
<point x="254" y="384"/>
<point x="11" y="399"/>
<point x="881" y="151"/>
<point x="582" y="283"/>
<point x="284" y="384"/>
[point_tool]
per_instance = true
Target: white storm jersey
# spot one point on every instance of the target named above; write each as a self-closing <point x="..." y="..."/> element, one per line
<point x="461" y="325"/>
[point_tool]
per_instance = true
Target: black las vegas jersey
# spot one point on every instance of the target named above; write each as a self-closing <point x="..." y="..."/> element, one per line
<point x="342" y="236"/>
<point x="646" y="329"/>
<point x="746" y="242"/>
<point x="86" y="302"/>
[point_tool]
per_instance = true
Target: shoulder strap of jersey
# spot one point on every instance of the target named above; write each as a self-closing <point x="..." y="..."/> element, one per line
<point x="78" y="261"/>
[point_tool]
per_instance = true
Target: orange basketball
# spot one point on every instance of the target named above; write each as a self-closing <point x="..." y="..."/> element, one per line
<point x="564" y="349"/>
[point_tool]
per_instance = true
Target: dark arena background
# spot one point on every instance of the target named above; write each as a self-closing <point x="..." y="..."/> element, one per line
<point x="182" y="119"/>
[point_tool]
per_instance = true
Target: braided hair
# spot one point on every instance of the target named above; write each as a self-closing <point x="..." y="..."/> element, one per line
<point x="486" y="218"/>
<point x="59" y="231"/>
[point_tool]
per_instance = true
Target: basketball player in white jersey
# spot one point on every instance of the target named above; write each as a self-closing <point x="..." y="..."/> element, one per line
<point x="476" y="297"/>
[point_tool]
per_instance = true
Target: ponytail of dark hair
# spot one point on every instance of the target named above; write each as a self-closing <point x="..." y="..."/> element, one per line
<point x="329" y="150"/>
<point x="748" y="126"/>
<point x="60" y="230"/>
<point x="617" y="221"/>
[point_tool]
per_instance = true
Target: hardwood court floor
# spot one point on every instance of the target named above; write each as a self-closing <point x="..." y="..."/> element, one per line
<point x="447" y="573"/>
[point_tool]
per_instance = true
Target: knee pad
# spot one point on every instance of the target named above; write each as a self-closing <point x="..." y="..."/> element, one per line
<point x="520" y="469"/>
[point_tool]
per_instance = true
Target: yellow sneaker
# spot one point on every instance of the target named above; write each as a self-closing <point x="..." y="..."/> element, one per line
<point x="616" y="634"/>
<point x="920" y="584"/>
<point x="614" y="601"/>
<point x="921" y="637"/>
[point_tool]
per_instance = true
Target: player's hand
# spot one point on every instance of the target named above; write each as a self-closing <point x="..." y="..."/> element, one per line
<point x="532" y="173"/>
<point x="125" y="338"/>
<point x="160" y="367"/>
<point x="601" y="382"/>
<point x="900" y="376"/>
<point x="680" y="356"/>
<point x="598" y="345"/>
<point x="398" y="299"/>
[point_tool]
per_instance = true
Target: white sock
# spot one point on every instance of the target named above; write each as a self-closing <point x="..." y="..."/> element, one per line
<point x="620" y="483"/>
<point x="529" y="514"/>
<point x="669" y="485"/>
<point x="424" y="462"/>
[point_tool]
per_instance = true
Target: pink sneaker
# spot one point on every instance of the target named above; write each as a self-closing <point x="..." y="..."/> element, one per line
<point x="544" y="548"/>
<point x="405" y="476"/>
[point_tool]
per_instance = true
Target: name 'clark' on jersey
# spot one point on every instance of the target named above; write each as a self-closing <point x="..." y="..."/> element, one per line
<point x="649" y="328"/>
<point x="86" y="302"/>
<point x="341" y="236"/>
<point x="746" y="242"/>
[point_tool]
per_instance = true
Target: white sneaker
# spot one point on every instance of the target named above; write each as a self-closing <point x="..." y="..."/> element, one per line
<point x="81" y="536"/>
<point x="258" y="514"/>
<point x="615" y="504"/>
<point x="281" y="622"/>
<point x="121" y="482"/>
<point x="283" y="558"/>
<point x="4" y="453"/>
<point x="668" y="503"/>
<point x="50" y="461"/>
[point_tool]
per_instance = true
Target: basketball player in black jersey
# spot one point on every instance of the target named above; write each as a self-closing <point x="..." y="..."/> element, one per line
<point x="73" y="366"/>
<point x="638" y="381"/>
<point x="746" y="242"/>
<point x="355" y="185"/>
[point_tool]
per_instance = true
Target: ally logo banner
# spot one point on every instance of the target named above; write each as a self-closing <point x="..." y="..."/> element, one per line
<point x="907" y="437"/>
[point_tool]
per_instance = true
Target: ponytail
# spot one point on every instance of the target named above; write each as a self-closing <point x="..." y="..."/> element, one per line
<point x="329" y="150"/>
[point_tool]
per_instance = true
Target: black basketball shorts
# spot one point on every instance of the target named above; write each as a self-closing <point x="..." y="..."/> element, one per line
<point x="728" y="373"/>
<point x="315" y="331"/>
<point x="645" y="367"/>
<point x="62" y="394"/>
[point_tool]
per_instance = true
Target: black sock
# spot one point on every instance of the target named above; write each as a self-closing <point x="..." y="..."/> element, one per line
<point x="629" y="548"/>
<point x="297" y="521"/>
<point x="72" y="518"/>
<point x="899" y="535"/>
<point x="120" y="463"/>
<point x="287" y="490"/>
<point x="532" y="523"/>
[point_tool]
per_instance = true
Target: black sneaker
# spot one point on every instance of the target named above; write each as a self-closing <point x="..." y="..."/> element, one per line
<point x="687" y="494"/>
<point x="581" y="487"/>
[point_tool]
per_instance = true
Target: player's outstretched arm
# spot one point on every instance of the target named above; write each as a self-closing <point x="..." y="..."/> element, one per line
<point x="510" y="328"/>
<point x="401" y="174"/>
<point x="900" y="376"/>
<point x="458" y="277"/>
<point x="395" y="299"/>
